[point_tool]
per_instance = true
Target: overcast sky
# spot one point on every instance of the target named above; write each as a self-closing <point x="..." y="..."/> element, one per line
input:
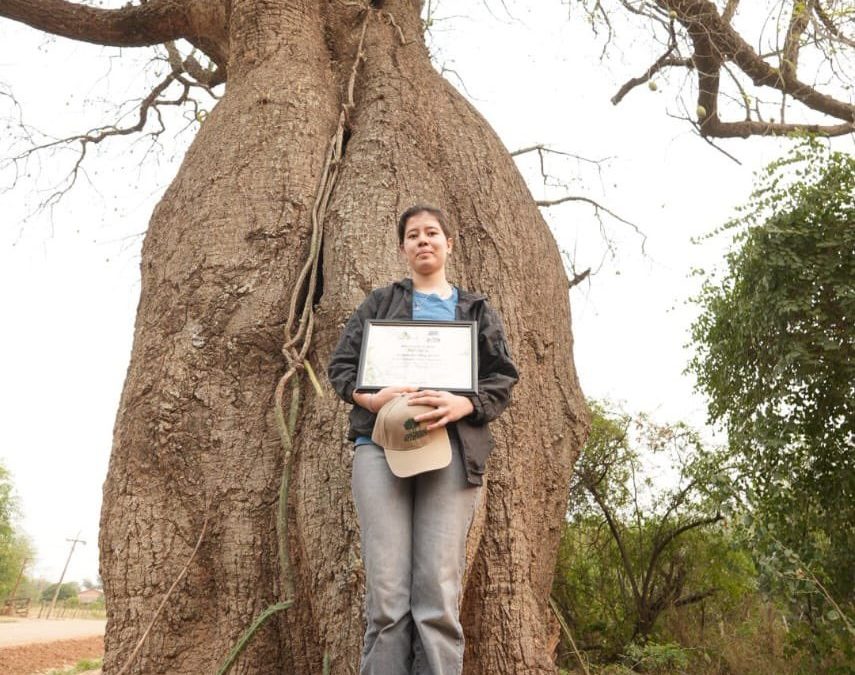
<point x="70" y="276"/>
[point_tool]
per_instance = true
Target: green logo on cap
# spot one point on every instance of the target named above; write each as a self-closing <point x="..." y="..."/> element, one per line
<point x="414" y="431"/>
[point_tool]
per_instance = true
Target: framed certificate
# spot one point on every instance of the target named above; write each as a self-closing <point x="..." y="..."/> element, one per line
<point x="425" y="354"/>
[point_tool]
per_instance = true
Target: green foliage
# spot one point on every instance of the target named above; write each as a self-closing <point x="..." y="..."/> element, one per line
<point x="31" y="588"/>
<point x="15" y="548"/>
<point x="8" y="512"/>
<point x="651" y="656"/>
<point x="776" y="357"/>
<point x="8" y="508"/>
<point x="633" y="548"/>
<point x="68" y="591"/>
<point x="81" y="666"/>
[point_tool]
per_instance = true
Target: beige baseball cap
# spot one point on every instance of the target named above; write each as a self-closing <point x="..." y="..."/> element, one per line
<point x="410" y="448"/>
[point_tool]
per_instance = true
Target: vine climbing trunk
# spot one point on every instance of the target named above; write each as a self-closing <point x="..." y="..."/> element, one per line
<point x="221" y="260"/>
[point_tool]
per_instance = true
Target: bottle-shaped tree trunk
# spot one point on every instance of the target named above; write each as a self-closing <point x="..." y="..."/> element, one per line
<point x="196" y="433"/>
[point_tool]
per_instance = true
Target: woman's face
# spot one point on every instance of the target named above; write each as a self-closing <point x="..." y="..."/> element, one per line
<point x="425" y="245"/>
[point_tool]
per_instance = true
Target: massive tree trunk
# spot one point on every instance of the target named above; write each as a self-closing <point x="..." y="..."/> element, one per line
<point x="195" y="432"/>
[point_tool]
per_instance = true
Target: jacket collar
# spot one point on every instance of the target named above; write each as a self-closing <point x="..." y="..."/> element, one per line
<point x="465" y="299"/>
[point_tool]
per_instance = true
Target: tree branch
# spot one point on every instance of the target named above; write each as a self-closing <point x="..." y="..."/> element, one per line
<point x="716" y="41"/>
<point x="599" y="207"/>
<point x="798" y="22"/>
<point x="663" y="61"/>
<point x="149" y="103"/>
<point x="627" y="565"/>
<point x="833" y="30"/>
<point x="729" y="10"/>
<point x="744" y="98"/>
<point x="673" y="534"/>
<point x="540" y="149"/>
<point x="705" y="138"/>
<point x="744" y="129"/>
<point x="146" y="24"/>
<point x="676" y="501"/>
<point x="578" y="278"/>
<point x="207" y="77"/>
<point x="695" y="597"/>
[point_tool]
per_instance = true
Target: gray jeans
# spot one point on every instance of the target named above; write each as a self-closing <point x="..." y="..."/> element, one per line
<point x="413" y="534"/>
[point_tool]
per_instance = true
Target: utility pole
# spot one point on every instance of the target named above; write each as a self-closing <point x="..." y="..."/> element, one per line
<point x="74" y="543"/>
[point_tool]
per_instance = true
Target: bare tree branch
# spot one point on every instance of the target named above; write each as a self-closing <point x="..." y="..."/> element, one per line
<point x="694" y="597"/>
<point x="599" y="207"/>
<point x="540" y="149"/>
<point x="833" y="30"/>
<point x="745" y="99"/>
<point x="185" y="71"/>
<point x="714" y="43"/>
<point x="707" y="139"/>
<point x="676" y="501"/>
<point x="798" y="23"/>
<point x="615" y="530"/>
<point x="729" y="10"/>
<point x="580" y="277"/>
<point x="152" y="22"/>
<point x="149" y="105"/>
<point x="663" y="61"/>
<point x="676" y="532"/>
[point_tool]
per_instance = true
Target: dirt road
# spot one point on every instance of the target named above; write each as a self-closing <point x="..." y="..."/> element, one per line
<point x="30" y="631"/>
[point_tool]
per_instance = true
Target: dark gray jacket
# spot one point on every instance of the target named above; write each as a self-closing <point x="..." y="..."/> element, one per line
<point x="496" y="371"/>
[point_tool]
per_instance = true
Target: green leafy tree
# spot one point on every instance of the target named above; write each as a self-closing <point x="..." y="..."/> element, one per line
<point x="31" y="587"/>
<point x="776" y="357"/>
<point x="634" y="548"/>
<point x="8" y="505"/>
<point x="67" y="591"/>
<point x="15" y="548"/>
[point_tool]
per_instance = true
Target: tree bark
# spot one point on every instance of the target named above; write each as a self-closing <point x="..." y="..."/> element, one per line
<point x="195" y="429"/>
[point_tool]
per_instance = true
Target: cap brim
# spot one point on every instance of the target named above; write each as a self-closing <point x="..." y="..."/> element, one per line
<point x="435" y="455"/>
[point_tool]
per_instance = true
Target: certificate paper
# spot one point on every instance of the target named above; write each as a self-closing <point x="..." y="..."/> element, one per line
<point x="425" y="354"/>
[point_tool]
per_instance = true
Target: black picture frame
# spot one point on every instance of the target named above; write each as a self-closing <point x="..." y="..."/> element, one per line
<point x="367" y="379"/>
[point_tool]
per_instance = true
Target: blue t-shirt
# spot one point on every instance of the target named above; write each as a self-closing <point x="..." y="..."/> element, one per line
<point x="427" y="307"/>
<point x="431" y="307"/>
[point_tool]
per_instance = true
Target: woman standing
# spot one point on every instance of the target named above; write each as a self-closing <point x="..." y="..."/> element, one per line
<point x="413" y="529"/>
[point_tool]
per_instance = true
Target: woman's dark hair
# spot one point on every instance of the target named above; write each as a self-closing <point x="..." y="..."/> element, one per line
<point x="416" y="210"/>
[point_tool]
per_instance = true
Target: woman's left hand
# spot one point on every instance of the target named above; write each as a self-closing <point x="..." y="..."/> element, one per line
<point x="448" y="407"/>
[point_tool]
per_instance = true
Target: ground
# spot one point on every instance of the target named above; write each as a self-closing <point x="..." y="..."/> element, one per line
<point x="31" y="646"/>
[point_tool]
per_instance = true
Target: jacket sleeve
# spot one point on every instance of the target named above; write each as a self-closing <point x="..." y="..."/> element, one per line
<point x="344" y="363"/>
<point x="497" y="373"/>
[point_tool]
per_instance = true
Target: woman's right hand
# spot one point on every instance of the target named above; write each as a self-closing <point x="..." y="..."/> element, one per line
<point x="373" y="402"/>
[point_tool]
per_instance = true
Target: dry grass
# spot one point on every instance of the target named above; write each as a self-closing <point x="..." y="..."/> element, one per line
<point x="748" y="640"/>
